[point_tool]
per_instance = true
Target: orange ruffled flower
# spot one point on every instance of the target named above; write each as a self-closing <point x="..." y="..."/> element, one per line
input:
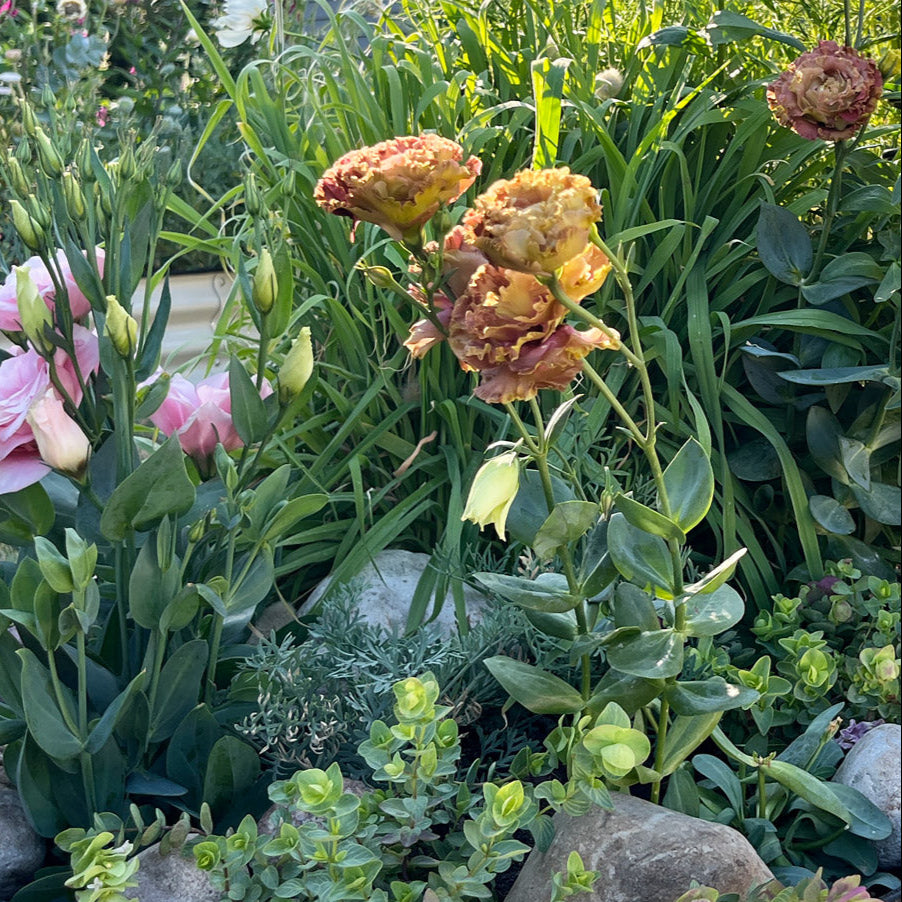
<point x="398" y="184"/>
<point x="552" y="363"/>
<point x="828" y="93"/>
<point x="536" y="221"/>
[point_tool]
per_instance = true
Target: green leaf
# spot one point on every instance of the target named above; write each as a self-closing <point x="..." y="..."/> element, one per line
<point x="179" y="688"/>
<point x="891" y="284"/>
<point x="842" y="275"/>
<point x="549" y="596"/>
<point x="836" y="375"/>
<point x="596" y="569"/>
<point x="783" y="244"/>
<point x="831" y="515"/>
<point x="25" y="514"/>
<point x="630" y="692"/>
<point x="536" y="689"/>
<point x="867" y="819"/>
<point x="808" y="787"/>
<point x="54" y="565"/>
<point x="634" y="607"/>
<point x="720" y="773"/>
<point x="567" y="522"/>
<point x="639" y="556"/>
<point x="529" y="510"/>
<point x="711" y="613"/>
<point x="150" y="588"/>
<point x="104" y="727"/>
<point x="689" y="482"/>
<point x="881" y="502"/>
<point x="232" y="767"/>
<point x="248" y="410"/>
<point x="647" y="519"/>
<point x="822" y="432"/>
<point x="159" y="486"/>
<point x="548" y="77"/>
<point x="293" y="512"/>
<point x="856" y="458"/>
<point x="728" y="27"/>
<point x="42" y="713"/>
<point x="655" y="655"/>
<point x="560" y="626"/>
<point x="686" y="734"/>
<point x="708" y="696"/>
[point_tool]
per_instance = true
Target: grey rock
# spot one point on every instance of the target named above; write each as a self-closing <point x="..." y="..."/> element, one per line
<point x="873" y="766"/>
<point x="386" y="587"/>
<point x="643" y="853"/>
<point x="22" y="851"/>
<point x="170" y="878"/>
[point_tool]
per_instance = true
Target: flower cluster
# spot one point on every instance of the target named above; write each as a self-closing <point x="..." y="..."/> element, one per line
<point x="493" y="304"/>
<point x="828" y="93"/>
<point x="37" y="432"/>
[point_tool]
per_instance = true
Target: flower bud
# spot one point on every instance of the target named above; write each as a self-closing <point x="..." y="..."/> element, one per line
<point x="890" y="64"/>
<point x="174" y="174"/>
<point x="265" y="286"/>
<point x="61" y="443"/>
<point x="75" y="200"/>
<point x="48" y="155"/>
<point x="494" y="489"/>
<point x="120" y="328"/>
<point x="127" y="165"/>
<point x="253" y="201"/>
<point x="38" y="212"/>
<point x="29" y="120"/>
<point x="297" y="368"/>
<point x="17" y="178"/>
<point x="380" y="276"/>
<point x="608" y="83"/>
<point x="30" y="232"/>
<point x="83" y="161"/>
<point x="34" y="314"/>
<point x="13" y="56"/>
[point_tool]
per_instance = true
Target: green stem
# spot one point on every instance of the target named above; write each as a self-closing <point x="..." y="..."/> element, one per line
<point x="660" y="742"/>
<point x="58" y="692"/>
<point x="840" y="151"/>
<point x="159" y="651"/>
<point x="762" y="796"/>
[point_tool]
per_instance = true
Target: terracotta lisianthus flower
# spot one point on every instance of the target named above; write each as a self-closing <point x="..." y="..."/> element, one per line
<point x="536" y="221"/>
<point x="398" y="184"/>
<point x="425" y="333"/>
<point x="501" y="311"/>
<point x="828" y="93"/>
<point x="585" y="273"/>
<point x="552" y="363"/>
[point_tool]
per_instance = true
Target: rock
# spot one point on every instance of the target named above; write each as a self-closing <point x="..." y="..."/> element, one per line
<point x="22" y="851"/>
<point x="873" y="767"/>
<point x="386" y="587"/>
<point x="167" y="878"/>
<point x="642" y="851"/>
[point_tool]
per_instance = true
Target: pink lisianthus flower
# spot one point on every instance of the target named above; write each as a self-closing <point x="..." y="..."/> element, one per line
<point x="60" y="441"/>
<point x="78" y="303"/>
<point x="201" y="416"/>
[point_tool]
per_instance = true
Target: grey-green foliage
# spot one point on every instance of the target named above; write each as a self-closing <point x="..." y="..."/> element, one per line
<point x="314" y="701"/>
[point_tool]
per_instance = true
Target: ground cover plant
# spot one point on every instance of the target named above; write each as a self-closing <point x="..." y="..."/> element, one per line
<point x="622" y="283"/>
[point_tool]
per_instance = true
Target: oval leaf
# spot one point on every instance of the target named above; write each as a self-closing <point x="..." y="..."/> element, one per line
<point x="689" y="481"/>
<point x="708" y="696"/>
<point x="783" y="244"/>
<point x="830" y="514"/>
<point x="710" y="613"/>
<point x="536" y="689"/>
<point x="529" y="593"/>
<point x="567" y="522"/>
<point x="655" y="655"/>
<point x="639" y="556"/>
<point x="647" y="519"/>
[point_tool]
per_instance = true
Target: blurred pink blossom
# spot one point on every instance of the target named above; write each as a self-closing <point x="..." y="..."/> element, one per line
<point x="79" y="304"/>
<point x="60" y="441"/>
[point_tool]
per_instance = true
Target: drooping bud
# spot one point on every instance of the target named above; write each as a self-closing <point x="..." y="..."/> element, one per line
<point x="120" y="328"/>
<point x="265" y="286"/>
<point x="34" y="314"/>
<point x="297" y="367"/>
<point x="30" y="232"/>
<point x="75" y="200"/>
<point x="48" y="155"/>
<point x="494" y="489"/>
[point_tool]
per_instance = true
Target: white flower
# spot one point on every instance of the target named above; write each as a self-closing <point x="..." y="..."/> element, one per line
<point x="243" y="19"/>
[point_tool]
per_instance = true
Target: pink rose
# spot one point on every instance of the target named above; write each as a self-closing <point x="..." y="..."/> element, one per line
<point x="201" y="416"/>
<point x="60" y="441"/>
<point x="828" y="93"/>
<point x="78" y="303"/>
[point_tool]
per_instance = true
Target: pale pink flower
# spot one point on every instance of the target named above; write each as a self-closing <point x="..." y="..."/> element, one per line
<point x="61" y="443"/>
<point x="78" y="303"/>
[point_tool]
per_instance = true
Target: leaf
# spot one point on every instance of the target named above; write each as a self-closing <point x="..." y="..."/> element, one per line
<point x="842" y="275"/>
<point x="808" y="787"/>
<point x="248" y="410"/>
<point x="727" y="27"/>
<point x="783" y="244"/>
<point x="529" y="510"/>
<point x="708" y="696"/>
<point x="689" y="482"/>
<point x="42" y="713"/>
<point x="153" y="342"/>
<point x="536" y="689"/>
<point x="179" y="688"/>
<point x="634" y="607"/>
<point x="548" y="77"/>
<point x="722" y="776"/>
<point x="881" y="502"/>
<point x="856" y="458"/>
<point x="25" y="514"/>
<point x="711" y="613"/>
<point x="837" y="375"/>
<point x="648" y="520"/>
<point x="755" y="461"/>
<point x="822" y="432"/>
<point x="150" y="588"/>
<point x="628" y="691"/>
<point x="831" y="515"/>
<point x="567" y="522"/>
<point x="160" y="486"/>
<point x="686" y="734"/>
<point x="717" y="576"/>
<point x="639" y="556"/>
<point x="867" y="819"/>
<point x="232" y="767"/>
<point x="293" y="512"/>
<point x="548" y="596"/>
<point x="104" y="727"/>
<point x="657" y="654"/>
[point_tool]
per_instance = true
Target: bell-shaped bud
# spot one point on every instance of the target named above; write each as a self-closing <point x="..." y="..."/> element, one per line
<point x="34" y="314"/>
<point x="121" y="328"/>
<point x="75" y="200"/>
<point x="494" y="489"/>
<point x="48" y="155"/>
<point x="30" y="232"/>
<point x="297" y="367"/>
<point x="265" y="286"/>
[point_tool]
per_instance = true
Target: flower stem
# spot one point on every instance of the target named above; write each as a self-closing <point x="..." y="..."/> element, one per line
<point x="840" y="150"/>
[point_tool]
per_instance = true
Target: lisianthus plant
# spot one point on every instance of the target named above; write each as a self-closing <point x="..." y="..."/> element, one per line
<point x="147" y="518"/>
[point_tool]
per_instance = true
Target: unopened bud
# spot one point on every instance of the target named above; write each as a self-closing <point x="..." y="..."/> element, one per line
<point x="265" y="286"/>
<point x="297" y="367"/>
<point x="48" y="98"/>
<point x="38" y="212"/>
<point x="253" y="202"/>
<point x="48" y="155"/>
<point x="174" y="175"/>
<point x="17" y="177"/>
<point x="890" y="64"/>
<point x="75" y="200"/>
<point x="380" y="276"/>
<point x="127" y="166"/>
<point x="104" y="203"/>
<point x="30" y="232"/>
<point x="29" y="120"/>
<point x="120" y="328"/>
<point x="83" y="160"/>
<point x="608" y="83"/>
<point x="34" y="314"/>
<point x="23" y="151"/>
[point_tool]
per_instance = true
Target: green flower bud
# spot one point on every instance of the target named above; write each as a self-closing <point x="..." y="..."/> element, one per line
<point x="265" y="285"/>
<point x="75" y="200"/>
<point x="23" y="151"/>
<point x="83" y="162"/>
<point x="48" y="155"/>
<point x="29" y="120"/>
<point x="297" y="367"/>
<point x="30" y="232"/>
<point x="17" y="178"/>
<point x="174" y="175"/>
<point x="34" y="314"/>
<point x="120" y="328"/>
<point x="253" y="200"/>
<point x="127" y="165"/>
<point x="39" y="213"/>
<point x="380" y="276"/>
